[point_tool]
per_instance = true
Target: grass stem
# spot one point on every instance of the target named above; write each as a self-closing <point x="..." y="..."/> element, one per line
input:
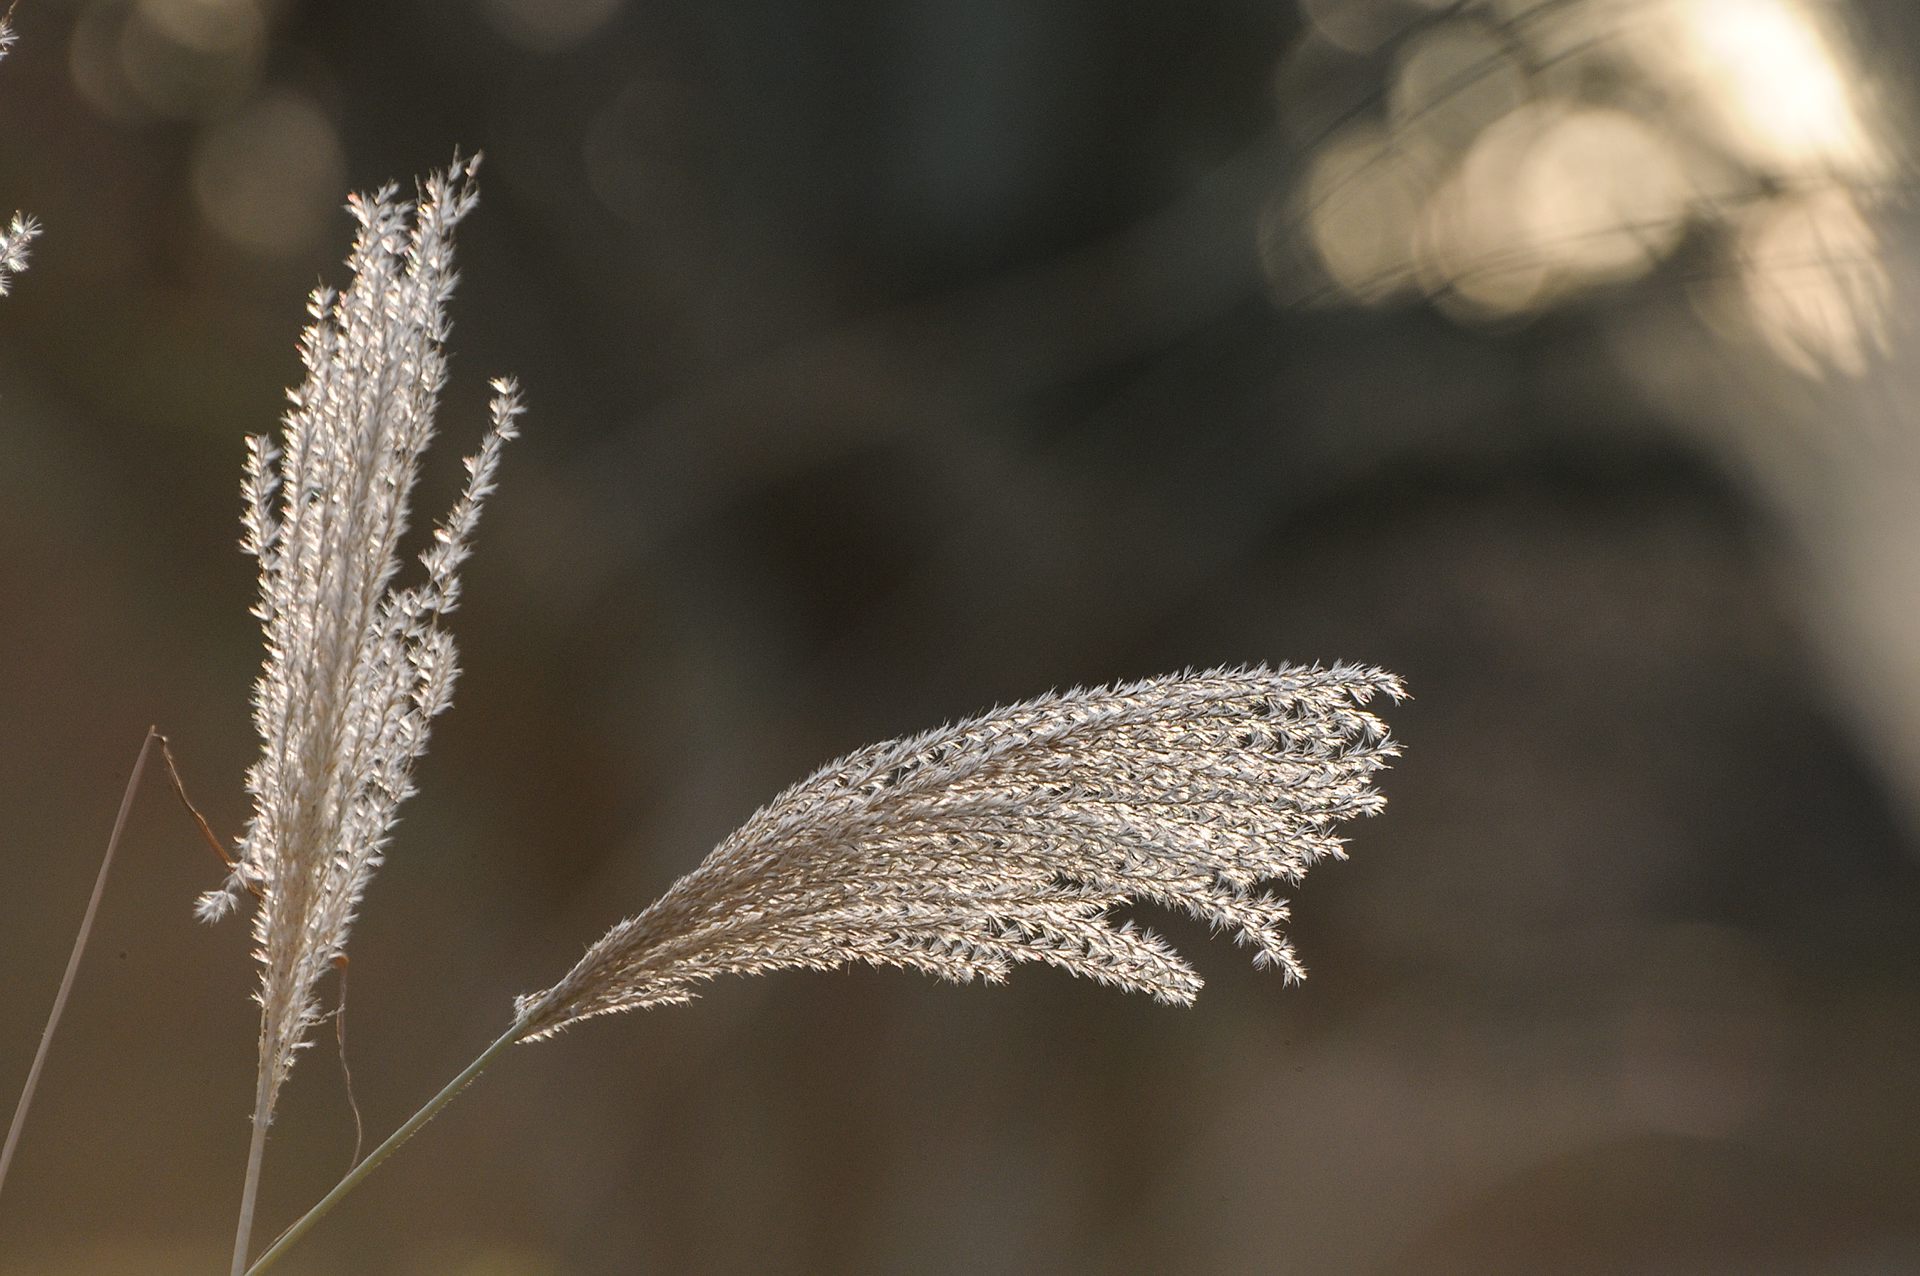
<point x="373" y="1159"/>
<point x="256" y="1154"/>
<point x="73" y="961"/>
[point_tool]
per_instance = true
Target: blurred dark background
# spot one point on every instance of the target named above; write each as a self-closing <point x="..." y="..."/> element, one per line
<point x="889" y="361"/>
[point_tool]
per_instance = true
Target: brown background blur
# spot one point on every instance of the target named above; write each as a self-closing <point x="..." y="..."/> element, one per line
<point x="891" y="360"/>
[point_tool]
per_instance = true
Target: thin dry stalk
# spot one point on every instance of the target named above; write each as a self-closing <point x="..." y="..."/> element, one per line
<point x="73" y="960"/>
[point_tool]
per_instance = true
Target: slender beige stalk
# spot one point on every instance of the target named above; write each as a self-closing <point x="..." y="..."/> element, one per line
<point x="256" y="1155"/>
<point x="272" y="1254"/>
<point x="73" y="959"/>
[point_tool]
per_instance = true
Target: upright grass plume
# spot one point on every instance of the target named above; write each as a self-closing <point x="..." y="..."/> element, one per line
<point x="356" y="668"/>
<point x="1006" y="838"/>
<point x="21" y="229"/>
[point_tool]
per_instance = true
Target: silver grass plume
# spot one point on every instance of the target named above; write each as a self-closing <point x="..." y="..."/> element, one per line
<point x="1006" y="838"/>
<point x="1011" y="837"/>
<point x="356" y="668"/>
<point x="20" y="230"/>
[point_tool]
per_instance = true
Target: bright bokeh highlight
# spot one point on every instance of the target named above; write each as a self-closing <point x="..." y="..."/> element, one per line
<point x="1523" y="154"/>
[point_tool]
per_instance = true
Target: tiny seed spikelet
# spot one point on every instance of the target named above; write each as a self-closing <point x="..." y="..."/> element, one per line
<point x="20" y="232"/>
<point x="356" y="667"/>
<point x="21" y="229"/>
<point x="1011" y="837"/>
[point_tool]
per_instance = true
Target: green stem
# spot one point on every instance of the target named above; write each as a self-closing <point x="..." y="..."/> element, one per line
<point x="385" y="1150"/>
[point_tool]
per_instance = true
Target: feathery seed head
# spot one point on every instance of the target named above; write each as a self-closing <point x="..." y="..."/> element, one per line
<point x="356" y="668"/>
<point x="21" y="229"/>
<point x="1011" y="837"/>
<point x="19" y="233"/>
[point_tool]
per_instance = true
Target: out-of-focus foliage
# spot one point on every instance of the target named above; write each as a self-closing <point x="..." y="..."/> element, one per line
<point x="1520" y="153"/>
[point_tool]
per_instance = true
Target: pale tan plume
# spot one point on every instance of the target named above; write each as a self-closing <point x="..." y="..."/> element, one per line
<point x="356" y="666"/>
<point x="1013" y="836"/>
